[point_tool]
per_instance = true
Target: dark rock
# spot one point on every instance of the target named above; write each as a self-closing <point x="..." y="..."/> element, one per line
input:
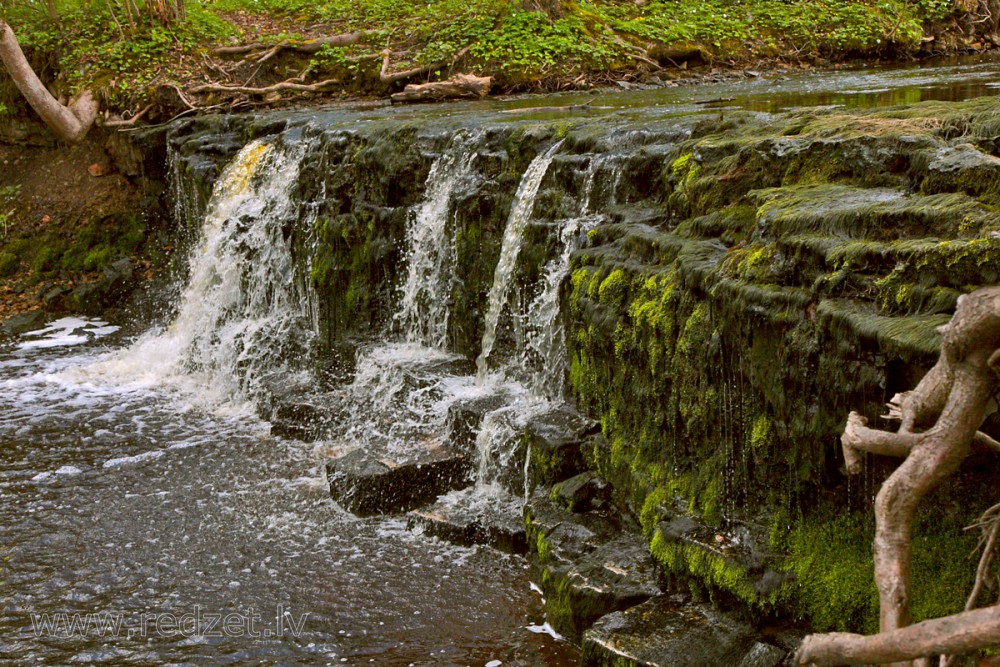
<point x="303" y="418"/>
<point x="763" y="655"/>
<point x="367" y="482"/>
<point x="555" y="440"/>
<point x="741" y="548"/>
<point x="52" y="295"/>
<point x="669" y="631"/>
<point x="465" y="417"/>
<point x="116" y="280"/>
<point x="471" y="517"/>
<point x="582" y="492"/>
<point x="19" y="324"/>
<point x="615" y="576"/>
<point x="589" y="566"/>
<point x="679" y="528"/>
<point x="566" y="535"/>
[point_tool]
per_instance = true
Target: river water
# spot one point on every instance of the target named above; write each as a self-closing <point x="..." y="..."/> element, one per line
<point x="146" y="522"/>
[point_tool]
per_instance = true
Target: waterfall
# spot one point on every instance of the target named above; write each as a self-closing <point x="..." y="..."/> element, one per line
<point x="241" y="316"/>
<point x="430" y="258"/>
<point x="544" y="354"/>
<point x="524" y="202"/>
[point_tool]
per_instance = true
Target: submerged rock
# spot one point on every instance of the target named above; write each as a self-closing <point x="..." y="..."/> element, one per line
<point x="303" y="418"/>
<point x="367" y="482"/>
<point x="474" y="516"/>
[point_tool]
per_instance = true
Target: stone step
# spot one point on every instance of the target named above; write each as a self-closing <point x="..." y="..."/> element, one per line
<point x="304" y="418"/>
<point x="672" y="631"/>
<point x="369" y="482"/>
<point x="555" y="440"/>
<point x="474" y="516"/>
<point x="465" y="418"/>
<point x="589" y="566"/>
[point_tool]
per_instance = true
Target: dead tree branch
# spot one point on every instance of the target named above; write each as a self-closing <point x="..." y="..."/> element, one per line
<point x="386" y="77"/>
<point x="939" y="421"/>
<point x="131" y="121"/>
<point x="961" y="633"/>
<point x="465" y="86"/>
<point x="291" y="84"/>
<point x="305" y="46"/>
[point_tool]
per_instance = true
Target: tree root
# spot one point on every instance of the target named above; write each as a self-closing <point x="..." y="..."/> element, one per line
<point x="386" y="77"/>
<point x="305" y="46"/>
<point x="961" y="633"/>
<point x="939" y="421"/>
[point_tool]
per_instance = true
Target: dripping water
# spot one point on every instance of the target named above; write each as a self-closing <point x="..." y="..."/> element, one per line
<point x="544" y="355"/>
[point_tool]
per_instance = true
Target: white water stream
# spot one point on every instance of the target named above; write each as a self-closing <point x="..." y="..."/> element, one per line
<point x="520" y="214"/>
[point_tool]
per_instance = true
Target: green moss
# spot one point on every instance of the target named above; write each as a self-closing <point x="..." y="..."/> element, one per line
<point x="613" y="289"/>
<point x="831" y="557"/>
<point x="8" y="264"/>
<point x="714" y="572"/>
<point x="761" y="435"/>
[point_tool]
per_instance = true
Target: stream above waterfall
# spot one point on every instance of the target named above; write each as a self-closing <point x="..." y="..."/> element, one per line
<point x="140" y="485"/>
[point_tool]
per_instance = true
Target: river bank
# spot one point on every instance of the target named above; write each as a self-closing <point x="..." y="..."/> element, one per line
<point x="713" y="276"/>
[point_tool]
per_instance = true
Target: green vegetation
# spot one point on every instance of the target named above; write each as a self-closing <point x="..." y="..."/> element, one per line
<point x="126" y="54"/>
<point x="56" y="251"/>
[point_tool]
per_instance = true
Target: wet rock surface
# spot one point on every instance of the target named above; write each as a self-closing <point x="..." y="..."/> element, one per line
<point x="670" y="631"/>
<point x="19" y="324"/>
<point x="465" y="417"/>
<point x="366" y="482"/>
<point x="555" y="440"/>
<point x="589" y="566"/>
<point x="472" y="516"/>
<point x="304" y="418"/>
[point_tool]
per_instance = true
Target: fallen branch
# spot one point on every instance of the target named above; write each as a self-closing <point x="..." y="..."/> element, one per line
<point x="131" y="121"/>
<point x="306" y="46"/>
<point x="960" y="633"/>
<point x="249" y="90"/>
<point x="462" y="86"/>
<point x="385" y="77"/>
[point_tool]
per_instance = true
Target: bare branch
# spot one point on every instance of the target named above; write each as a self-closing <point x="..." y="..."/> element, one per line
<point x="960" y="633"/>
<point x="385" y="77"/>
<point x="306" y="46"/>
<point x="284" y="85"/>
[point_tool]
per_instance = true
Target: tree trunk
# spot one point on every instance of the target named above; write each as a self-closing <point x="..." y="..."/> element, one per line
<point x="71" y="123"/>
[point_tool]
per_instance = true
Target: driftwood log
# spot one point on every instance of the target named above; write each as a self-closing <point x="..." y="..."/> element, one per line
<point x="461" y="86"/>
<point x="939" y="422"/>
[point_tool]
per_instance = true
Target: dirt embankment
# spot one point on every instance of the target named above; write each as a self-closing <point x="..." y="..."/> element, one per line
<point x="67" y="213"/>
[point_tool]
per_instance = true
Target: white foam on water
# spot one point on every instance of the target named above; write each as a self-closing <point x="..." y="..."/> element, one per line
<point x="240" y="313"/>
<point x="128" y="460"/>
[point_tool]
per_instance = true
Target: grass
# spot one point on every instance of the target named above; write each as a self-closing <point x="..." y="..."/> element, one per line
<point x="93" y="45"/>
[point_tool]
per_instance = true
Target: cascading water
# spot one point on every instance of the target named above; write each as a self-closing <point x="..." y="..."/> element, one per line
<point x="430" y="257"/>
<point x="241" y="317"/>
<point x="544" y="355"/>
<point x="401" y="390"/>
<point x="520" y="214"/>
